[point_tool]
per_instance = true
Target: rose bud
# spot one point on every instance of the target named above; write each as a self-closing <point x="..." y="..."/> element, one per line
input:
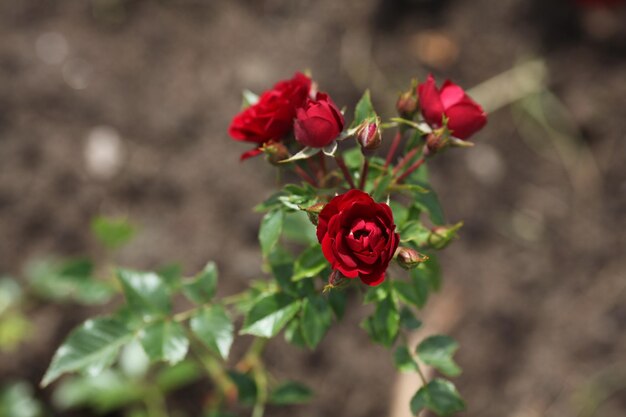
<point x="318" y="122"/>
<point x="407" y="104"/>
<point x="314" y="211"/>
<point x="465" y="116"/>
<point x="358" y="236"/>
<point x="409" y="258"/>
<point x="441" y="236"/>
<point x="271" y="118"/>
<point x="276" y="152"/>
<point x="368" y="136"/>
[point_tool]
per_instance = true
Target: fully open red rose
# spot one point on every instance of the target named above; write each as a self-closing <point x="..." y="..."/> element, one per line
<point x="358" y="236"/>
<point x="465" y="116"/>
<point x="319" y="122"/>
<point x="271" y="118"/>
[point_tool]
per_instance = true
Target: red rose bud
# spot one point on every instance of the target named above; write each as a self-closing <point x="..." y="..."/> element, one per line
<point x="441" y="236"/>
<point x="368" y="135"/>
<point x="358" y="236"/>
<point x="314" y="211"/>
<point x="271" y="118"/>
<point x="407" y="104"/>
<point x="465" y="116"/>
<point x="318" y="122"/>
<point x="409" y="258"/>
<point x="276" y="152"/>
<point x="436" y="141"/>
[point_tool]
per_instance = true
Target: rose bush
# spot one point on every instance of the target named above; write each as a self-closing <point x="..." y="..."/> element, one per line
<point x="318" y="122"/>
<point x="271" y="118"/>
<point x="358" y="236"/>
<point x="465" y="116"/>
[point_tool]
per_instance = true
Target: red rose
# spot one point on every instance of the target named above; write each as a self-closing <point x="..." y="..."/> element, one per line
<point x="271" y="118"/>
<point x="358" y="236"/>
<point x="318" y="122"/>
<point x="465" y="116"/>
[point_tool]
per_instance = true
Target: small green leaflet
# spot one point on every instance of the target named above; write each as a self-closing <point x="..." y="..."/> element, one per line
<point x="310" y="263"/>
<point x="316" y="320"/>
<point x="290" y="393"/>
<point x="270" y="314"/>
<point x="112" y="232"/>
<point x="214" y="328"/>
<point x="270" y="230"/>
<point x="201" y="288"/>
<point x="164" y="341"/>
<point x="364" y="110"/>
<point x="146" y="293"/>
<point x="439" y="396"/>
<point x="403" y="360"/>
<point x="437" y="351"/>
<point x="90" y="348"/>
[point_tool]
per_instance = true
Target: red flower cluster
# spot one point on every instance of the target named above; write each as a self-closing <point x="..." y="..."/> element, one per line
<point x="358" y="236"/>
<point x="465" y="116"/>
<point x="269" y="120"/>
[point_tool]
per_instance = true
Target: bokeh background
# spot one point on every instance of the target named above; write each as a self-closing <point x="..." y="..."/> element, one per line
<point x="120" y="108"/>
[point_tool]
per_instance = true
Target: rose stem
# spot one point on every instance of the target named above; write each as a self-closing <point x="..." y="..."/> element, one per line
<point x="344" y="170"/>
<point x="306" y="177"/>
<point x="364" y="172"/>
<point x="409" y="171"/>
<point x="322" y="161"/>
<point x="394" y="147"/>
<point x="405" y="160"/>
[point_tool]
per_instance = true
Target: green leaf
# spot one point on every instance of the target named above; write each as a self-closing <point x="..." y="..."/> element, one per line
<point x="298" y="228"/>
<point x="310" y="263"/>
<point x="437" y="351"/>
<point x="214" y="328"/>
<point x="384" y="325"/>
<point x="429" y="202"/>
<point x="164" y="341"/>
<point x="18" y="400"/>
<point x="201" y="288"/>
<point x="112" y="232"/>
<point x="270" y="314"/>
<point x="293" y="333"/>
<point x="364" y="110"/>
<point x="316" y="320"/>
<point x="439" y="396"/>
<point x="337" y="301"/>
<point x="171" y="274"/>
<point x="145" y="292"/>
<point x="179" y="375"/>
<point x="414" y="292"/>
<point x="269" y="232"/>
<point x="105" y="392"/>
<point x="70" y="280"/>
<point x="290" y="393"/>
<point x="90" y="348"/>
<point x="246" y="387"/>
<point x="428" y="272"/>
<point x="408" y="319"/>
<point x="281" y="264"/>
<point x="403" y="361"/>
<point x="414" y="231"/>
<point x="380" y="191"/>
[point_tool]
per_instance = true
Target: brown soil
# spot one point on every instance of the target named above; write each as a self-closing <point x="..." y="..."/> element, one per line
<point x="540" y="264"/>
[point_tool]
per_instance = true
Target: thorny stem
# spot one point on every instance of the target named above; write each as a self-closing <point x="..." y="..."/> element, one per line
<point x="322" y="162"/>
<point x="364" y="172"/>
<point x="405" y="160"/>
<point x="303" y="174"/>
<point x="411" y="169"/>
<point x="344" y="170"/>
<point x="394" y="147"/>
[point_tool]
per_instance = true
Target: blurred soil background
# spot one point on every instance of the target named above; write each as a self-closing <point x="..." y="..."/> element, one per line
<point x="120" y="107"/>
